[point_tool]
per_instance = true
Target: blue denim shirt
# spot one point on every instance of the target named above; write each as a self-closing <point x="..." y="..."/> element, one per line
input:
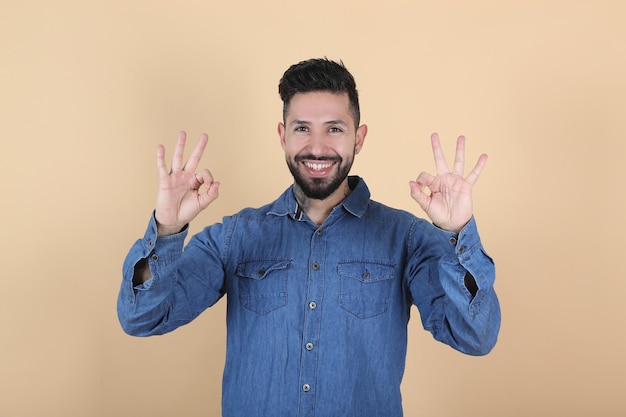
<point x="317" y="315"/>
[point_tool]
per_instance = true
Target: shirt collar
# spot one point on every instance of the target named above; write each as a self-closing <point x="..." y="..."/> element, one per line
<point x="355" y="203"/>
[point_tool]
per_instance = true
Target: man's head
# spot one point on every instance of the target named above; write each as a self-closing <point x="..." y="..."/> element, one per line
<point x="319" y="74"/>
<point x="320" y="132"/>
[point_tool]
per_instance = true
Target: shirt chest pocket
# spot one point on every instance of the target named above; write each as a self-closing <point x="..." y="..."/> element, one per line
<point x="365" y="287"/>
<point x="263" y="284"/>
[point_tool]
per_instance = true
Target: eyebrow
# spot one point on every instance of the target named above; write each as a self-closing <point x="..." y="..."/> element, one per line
<point x="329" y="122"/>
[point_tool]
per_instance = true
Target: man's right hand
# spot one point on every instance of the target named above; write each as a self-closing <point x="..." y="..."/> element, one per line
<point x="179" y="199"/>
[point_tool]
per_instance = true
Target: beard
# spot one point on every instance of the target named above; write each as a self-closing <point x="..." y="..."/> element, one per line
<point x="319" y="188"/>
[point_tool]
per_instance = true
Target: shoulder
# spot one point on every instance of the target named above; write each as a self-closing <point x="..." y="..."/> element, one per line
<point x="383" y="212"/>
<point x="251" y="213"/>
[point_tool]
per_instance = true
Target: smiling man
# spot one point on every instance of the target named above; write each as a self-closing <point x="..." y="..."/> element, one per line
<point x="320" y="136"/>
<point x="319" y="282"/>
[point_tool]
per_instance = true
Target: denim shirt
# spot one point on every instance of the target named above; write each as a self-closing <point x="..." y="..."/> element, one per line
<point x="317" y="315"/>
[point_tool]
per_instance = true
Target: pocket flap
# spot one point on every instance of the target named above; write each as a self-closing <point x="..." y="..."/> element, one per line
<point x="260" y="269"/>
<point x="365" y="271"/>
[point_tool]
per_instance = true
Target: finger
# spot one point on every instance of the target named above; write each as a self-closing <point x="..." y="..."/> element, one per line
<point x="475" y="173"/>
<point x="440" y="160"/>
<point x="212" y="188"/>
<point x="459" y="157"/>
<point x="161" y="166"/>
<point x="196" y="155"/>
<point x="418" y="194"/>
<point x="424" y="179"/>
<point x="203" y="177"/>
<point x="179" y="152"/>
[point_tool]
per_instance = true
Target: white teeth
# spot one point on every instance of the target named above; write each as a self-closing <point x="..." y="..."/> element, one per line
<point x="317" y="167"/>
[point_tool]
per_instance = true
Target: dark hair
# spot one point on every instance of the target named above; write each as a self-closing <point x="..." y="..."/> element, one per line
<point x="319" y="74"/>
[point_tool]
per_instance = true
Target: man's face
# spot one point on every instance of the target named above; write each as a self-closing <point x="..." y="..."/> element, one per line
<point x="320" y="141"/>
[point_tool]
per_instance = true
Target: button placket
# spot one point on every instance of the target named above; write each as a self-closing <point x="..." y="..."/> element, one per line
<point x="312" y="320"/>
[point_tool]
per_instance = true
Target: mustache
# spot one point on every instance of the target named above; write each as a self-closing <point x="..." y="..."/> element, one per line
<point x="311" y="157"/>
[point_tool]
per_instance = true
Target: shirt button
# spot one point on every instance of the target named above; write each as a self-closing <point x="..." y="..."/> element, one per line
<point x="319" y="232"/>
<point x="155" y="257"/>
<point x="461" y="249"/>
<point x="312" y="305"/>
<point x="452" y="241"/>
<point x="306" y="388"/>
<point x="309" y="346"/>
<point x="316" y="266"/>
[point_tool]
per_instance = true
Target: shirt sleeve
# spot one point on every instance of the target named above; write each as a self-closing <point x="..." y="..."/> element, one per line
<point x="169" y="299"/>
<point x="466" y="319"/>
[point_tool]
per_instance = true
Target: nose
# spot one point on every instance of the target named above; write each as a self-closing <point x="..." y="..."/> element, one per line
<point x="318" y="145"/>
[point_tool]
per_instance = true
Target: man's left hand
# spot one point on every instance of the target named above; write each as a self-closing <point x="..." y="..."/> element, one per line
<point x="449" y="200"/>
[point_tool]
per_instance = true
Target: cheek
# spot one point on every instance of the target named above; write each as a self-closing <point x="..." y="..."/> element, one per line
<point x="295" y="144"/>
<point x="348" y="150"/>
<point x="291" y="151"/>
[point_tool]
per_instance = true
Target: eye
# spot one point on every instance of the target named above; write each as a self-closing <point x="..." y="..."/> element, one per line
<point x="335" y="129"/>
<point x="301" y="129"/>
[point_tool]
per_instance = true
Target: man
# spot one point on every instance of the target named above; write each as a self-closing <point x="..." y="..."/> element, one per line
<point x="319" y="282"/>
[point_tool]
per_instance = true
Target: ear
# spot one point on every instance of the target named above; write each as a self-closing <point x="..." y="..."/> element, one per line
<point x="361" y="132"/>
<point x="281" y="134"/>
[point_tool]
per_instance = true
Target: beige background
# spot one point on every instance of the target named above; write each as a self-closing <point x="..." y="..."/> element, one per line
<point x="88" y="89"/>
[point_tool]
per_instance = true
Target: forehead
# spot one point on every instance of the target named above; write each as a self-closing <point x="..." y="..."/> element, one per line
<point x="320" y="106"/>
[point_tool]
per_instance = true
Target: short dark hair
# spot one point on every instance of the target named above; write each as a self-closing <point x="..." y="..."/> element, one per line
<point x="319" y="74"/>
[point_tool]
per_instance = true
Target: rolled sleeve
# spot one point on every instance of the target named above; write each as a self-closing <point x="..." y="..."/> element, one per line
<point x="160" y="252"/>
<point x="466" y="320"/>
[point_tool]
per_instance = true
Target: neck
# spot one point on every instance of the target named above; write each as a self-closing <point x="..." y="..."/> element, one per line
<point x="319" y="210"/>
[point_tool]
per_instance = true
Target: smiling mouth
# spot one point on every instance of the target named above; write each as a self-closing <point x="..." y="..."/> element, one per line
<point x="318" y="166"/>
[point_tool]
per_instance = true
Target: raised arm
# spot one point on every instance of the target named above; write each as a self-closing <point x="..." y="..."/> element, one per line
<point x="449" y="201"/>
<point x="183" y="193"/>
<point x="463" y="311"/>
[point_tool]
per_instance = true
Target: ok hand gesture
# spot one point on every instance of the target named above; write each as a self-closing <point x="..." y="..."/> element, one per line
<point x="449" y="202"/>
<point x="179" y="199"/>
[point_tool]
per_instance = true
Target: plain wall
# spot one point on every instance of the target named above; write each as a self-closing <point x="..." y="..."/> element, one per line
<point x="88" y="90"/>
